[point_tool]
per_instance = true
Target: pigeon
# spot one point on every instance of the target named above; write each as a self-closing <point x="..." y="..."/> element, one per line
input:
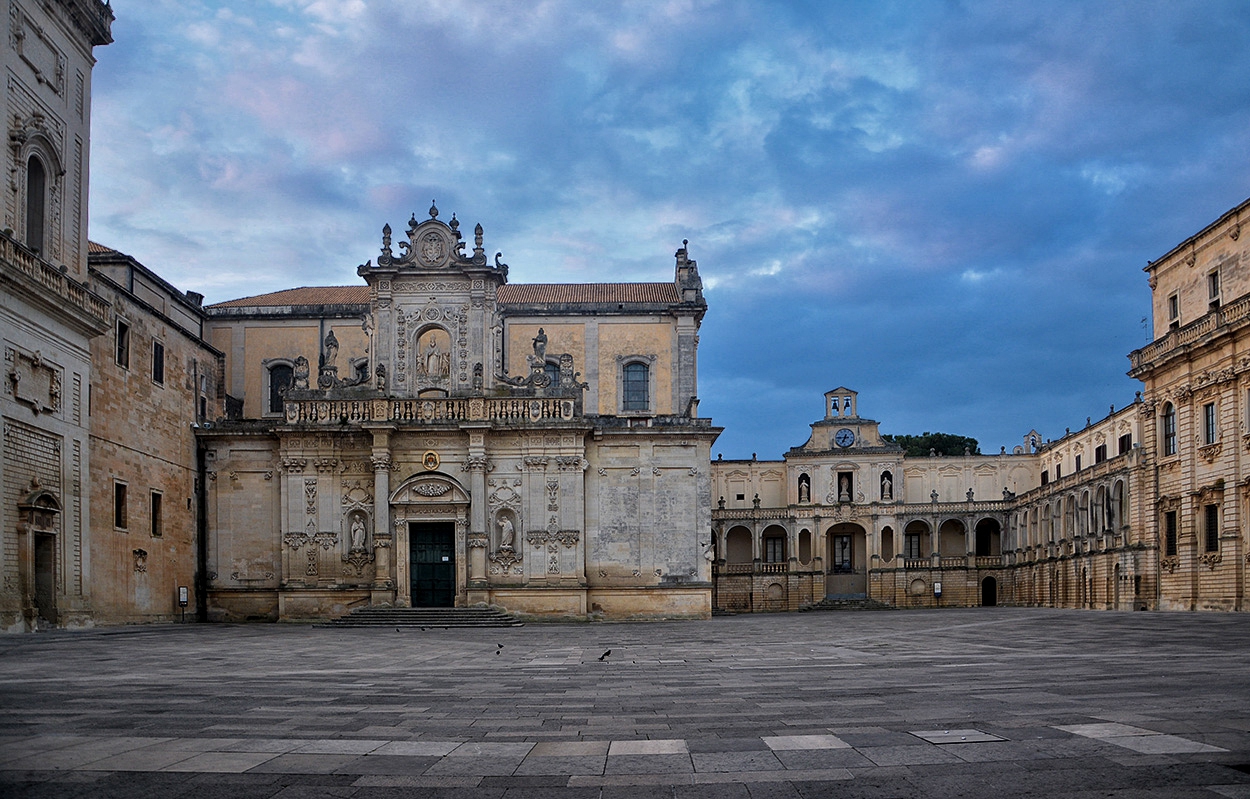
<point x="605" y="654"/>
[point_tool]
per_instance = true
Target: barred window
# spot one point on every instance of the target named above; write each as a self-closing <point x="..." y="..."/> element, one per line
<point x="1169" y="429"/>
<point x="1169" y="533"/>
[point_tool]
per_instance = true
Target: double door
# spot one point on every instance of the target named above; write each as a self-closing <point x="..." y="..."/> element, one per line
<point x="432" y="563"/>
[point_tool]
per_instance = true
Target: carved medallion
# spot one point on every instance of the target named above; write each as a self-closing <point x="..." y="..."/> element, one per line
<point x="432" y="250"/>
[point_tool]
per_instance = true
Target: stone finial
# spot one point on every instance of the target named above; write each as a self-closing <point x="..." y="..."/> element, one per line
<point x="433" y="210"/>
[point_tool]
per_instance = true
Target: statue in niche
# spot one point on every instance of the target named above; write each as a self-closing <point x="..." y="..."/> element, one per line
<point x="507" y="533"/>
<point x="358" y="532"/>
<point x="301" y="373"/>
<point x="844" y="489"/>
<point x="887" y="487"/>
<point x="805" y="491"/>
<point x="432" y="359"/>
<point x="330" y="350"/>
<point x="540" y="347"/>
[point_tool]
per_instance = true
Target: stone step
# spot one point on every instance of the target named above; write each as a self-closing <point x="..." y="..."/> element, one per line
<point x="846" y="603"/>
<point x="442" y="618"/>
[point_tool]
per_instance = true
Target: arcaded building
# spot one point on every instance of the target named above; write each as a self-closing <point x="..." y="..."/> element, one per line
<point x="438" y="436"/>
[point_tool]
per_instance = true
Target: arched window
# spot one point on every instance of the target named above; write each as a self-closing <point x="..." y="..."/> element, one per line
<point x="635" y="378"/>
<point x="281" y="376"/>
<point x="36" y="192"/>
<point x="1169" y="429"/>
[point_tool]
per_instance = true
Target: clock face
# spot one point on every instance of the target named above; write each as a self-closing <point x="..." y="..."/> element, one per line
<point x="844" y="438"/>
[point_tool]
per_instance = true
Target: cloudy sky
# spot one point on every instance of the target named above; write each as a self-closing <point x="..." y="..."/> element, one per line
<point x="943" y="205"/>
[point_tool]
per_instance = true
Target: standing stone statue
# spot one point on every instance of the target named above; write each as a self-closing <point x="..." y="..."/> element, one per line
<point x="358" y="533"/>
<point x="506" y="533"/>
<point x="330" y="350"/>
<point x="540" y="347"/>
<point x="887" y="488"/>
<point x="432" y="360"/>
<point x="844" y="489"/>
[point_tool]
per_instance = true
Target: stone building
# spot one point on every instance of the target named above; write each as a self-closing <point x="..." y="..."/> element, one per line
<point x="48" y="315"/>
<point x="1197" y="399"/>
<point x="850" y="515"/>
<point x="439" y="436"/>
<point x="152" y="373"/>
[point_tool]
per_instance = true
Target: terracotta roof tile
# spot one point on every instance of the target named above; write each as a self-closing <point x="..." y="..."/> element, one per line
<point x="306" y="295"/>
<point x="97" y="249"/>
<point x="509" y="294"/>
<point x="544" y="293"/>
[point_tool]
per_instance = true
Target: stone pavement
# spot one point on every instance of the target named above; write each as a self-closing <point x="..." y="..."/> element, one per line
<point x="982" y="702"/>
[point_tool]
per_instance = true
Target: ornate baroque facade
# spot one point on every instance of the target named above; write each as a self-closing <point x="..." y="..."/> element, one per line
<point x="440" y="436"/>
<point x="48" y="314"/>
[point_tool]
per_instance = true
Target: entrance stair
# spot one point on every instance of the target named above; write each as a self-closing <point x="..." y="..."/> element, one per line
<point x="846" y="603"/>
<point x="426" y="618"/>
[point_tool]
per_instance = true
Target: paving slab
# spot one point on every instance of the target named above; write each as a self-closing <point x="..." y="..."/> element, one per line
<point x="991" y="701"/>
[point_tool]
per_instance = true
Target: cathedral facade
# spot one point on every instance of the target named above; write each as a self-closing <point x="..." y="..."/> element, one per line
<point x="440" y="436"/>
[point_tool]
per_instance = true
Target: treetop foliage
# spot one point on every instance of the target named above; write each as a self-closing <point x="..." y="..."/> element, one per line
<point x="940" y="443"/>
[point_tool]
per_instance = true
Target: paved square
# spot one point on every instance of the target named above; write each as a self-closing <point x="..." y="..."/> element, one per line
<point x="991" y="701"/>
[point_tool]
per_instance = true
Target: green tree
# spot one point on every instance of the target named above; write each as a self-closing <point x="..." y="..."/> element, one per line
<point x="941" y="443"/>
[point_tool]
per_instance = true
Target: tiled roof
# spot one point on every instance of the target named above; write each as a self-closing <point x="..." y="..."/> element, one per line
<point x="97" y="249"/>
<point x="509" y="294"/>
<point x="306" y="295"/>
<point x="545" y="293"/>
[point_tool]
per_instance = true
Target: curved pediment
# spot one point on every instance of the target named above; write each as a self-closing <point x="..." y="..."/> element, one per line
<point x="431" y="488"/>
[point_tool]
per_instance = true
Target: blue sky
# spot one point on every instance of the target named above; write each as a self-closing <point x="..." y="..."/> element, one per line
<point x="945" y="206"/>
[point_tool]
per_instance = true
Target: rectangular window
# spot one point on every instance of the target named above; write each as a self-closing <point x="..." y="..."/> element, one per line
<point x="774" y="550"/>
<point x="1045" y="476"/>
<point x="1169" y="430"/>
<point x="1126" y="443"/>
<point x="123" y="344"/>
<point x="634" y="378"/>
<point x="157" y="522"/>
<point x="913" y="546"/>
<point x="1058" y="471"/>
<point x="158" y="362"/>
<point x="1100" y="453"/>
<point x="1211" y="525"/>
<point x="119" y="505"/>
<point x="1174" y="311"/>
<point x="1213" y="289"/>
<point x="842" y="555"/>
<point x="740" y="497"/>
<point x="1078" y="463"/>
<point x="1169" y="533"/>
<point x="1208" y="423"/>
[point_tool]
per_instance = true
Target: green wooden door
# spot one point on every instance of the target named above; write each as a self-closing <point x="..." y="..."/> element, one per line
<point x="432" y="558"/>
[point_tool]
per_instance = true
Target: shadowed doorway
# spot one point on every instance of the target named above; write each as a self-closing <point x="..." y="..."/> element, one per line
<point x="432" y="553"/>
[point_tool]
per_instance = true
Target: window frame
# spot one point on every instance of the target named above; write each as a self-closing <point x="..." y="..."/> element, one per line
<point x="1210" y="424"/>
<point x="1213" y="289"/>
<point x="625" y="407"/>
<point x="269" y="365"/>
<point x="156" y="520"/>
<point x="1174" y="310"/>
<point x="1167" y="423"/>
<point x="121" y="506"/>
<point x="35" y="223"/>
<point x="1211" y="527"/>
<point x="122" y="335"/>
<point x="158" y="362"/>
<point x="1171" y="533"/>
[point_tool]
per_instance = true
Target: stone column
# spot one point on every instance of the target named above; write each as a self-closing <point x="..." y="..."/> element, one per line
<point x="384" y="581"/>
<point x="476" y="467"/>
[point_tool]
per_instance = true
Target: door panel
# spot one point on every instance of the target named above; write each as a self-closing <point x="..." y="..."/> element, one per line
<point x="432" y="558"/>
